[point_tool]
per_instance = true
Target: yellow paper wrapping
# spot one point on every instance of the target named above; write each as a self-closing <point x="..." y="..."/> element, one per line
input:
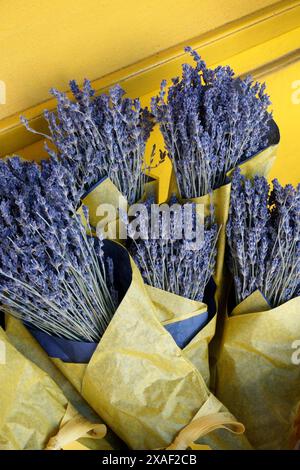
<point x="34" y="412"/>
<point x="174" y="307"/>
<point x="30" y="349"/>
<point x="258" y="377"/>
<point x="107" y="193"/>
<point x="261" y="165"/>
<point x="24" y="420"/>
<point x="104" y="193"/>
<point x="32" y="405"/>
<point x="138" y="380"/>
<point x="171" y="307"/>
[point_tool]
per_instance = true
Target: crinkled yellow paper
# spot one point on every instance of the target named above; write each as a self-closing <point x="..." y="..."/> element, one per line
<point x="171" y="306"/>
<point x="258" y="378"/>
<point x="31" y="406"/>
<point x="138" y="380"/>
<point x="106" y="193"/>
<point x="29" y="348"/>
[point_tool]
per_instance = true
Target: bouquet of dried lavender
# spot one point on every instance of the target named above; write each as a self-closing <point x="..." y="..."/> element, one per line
<point x="53" y="276"/>
<point x="211" y="122"/>
<point x="168" y="255"/>
<point x="258" y="374"/>
<point x="98" y="137"/>
<point x="174" y="247"/>
<point x="263" y="234"/>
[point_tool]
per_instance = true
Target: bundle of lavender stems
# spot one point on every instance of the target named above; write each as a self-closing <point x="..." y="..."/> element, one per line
<point x="211" y="121"/>
<point x="94" y="137"/>
<point x="169" y="255"/>
<point x="53" y="276"/>
<point x="263" y="235"/>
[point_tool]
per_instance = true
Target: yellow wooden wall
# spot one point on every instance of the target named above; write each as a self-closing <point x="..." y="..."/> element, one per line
<point x="44" y="43"/>
<point x="284" y="89"/>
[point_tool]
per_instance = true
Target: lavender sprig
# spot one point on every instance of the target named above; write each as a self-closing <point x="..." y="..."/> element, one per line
<point x="52" y="275"/>
<point x="168" y="259"/>
<point x="263" y="233"/>
<point x="211" y="121"/>
<point x="100" y="136"/>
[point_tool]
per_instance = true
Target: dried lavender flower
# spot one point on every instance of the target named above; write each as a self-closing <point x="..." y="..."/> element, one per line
<point x="167" y="257"/>
<point x="263" y="233"/>
<point x="100" y="136"/>
<point x="211" y="121"/>
<point x="52" y="275"/>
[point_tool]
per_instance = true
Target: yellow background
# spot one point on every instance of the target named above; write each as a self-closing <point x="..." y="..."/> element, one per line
<point x="287" y="116"/>
<point x="45" y="43"/>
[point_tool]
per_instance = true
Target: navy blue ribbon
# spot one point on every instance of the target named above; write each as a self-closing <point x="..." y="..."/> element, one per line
<point x="65" y="349"/>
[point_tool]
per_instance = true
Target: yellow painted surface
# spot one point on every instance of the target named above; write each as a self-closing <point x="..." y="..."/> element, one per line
<point x="283" y="86"/>
<point x="45" y="43"/>
<point x="284" y="89"/>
